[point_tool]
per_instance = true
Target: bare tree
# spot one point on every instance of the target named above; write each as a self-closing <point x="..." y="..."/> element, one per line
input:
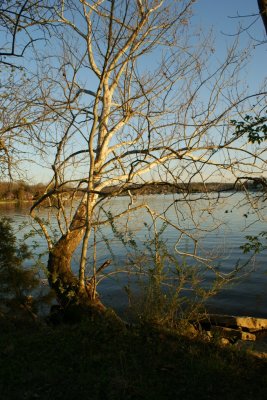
<point x="18" y="22"/>
<point x="135" y="100"/>
<point x="21" y="115"/>
<point x="23" y="24"/>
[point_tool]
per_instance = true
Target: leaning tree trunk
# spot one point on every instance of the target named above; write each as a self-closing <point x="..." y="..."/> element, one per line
<point x="61" y="277"/>
<point x="263" y="11"/>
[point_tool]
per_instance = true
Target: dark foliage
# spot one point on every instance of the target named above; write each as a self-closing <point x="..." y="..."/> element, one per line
<point x="16" y="281"/>
<point x="253" y="126"/>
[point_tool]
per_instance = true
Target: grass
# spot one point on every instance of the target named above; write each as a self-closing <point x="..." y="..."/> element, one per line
<point x="103" y="360"/>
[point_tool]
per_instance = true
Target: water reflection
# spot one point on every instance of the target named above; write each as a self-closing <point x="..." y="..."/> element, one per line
<point x="219" y="225"/>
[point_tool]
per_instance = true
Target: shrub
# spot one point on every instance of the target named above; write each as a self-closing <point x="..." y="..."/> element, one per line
<point x="16" y="281"/>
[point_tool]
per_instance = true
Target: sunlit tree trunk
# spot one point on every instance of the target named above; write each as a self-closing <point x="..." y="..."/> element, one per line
<point x="66" y="284"/>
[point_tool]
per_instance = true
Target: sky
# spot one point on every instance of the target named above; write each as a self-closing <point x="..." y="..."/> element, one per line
<point x="226" y="18"/>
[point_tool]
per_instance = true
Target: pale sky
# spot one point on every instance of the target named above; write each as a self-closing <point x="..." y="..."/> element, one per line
<point x="226" y="18"/>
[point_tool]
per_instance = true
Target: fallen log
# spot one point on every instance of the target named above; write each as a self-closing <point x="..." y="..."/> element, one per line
<point x="232" y="334"/>
<point x="249" y="324"/>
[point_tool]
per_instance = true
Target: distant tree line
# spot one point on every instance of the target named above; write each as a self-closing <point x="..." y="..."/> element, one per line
<point x="23" y="191"/>
<point x="20" y="191"/>
<point x="187" y="187"/>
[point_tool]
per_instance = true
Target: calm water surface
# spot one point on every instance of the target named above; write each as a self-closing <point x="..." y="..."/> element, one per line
<point x="219" y="226"/>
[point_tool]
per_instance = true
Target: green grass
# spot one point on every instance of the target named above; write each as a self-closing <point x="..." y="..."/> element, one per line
<point x="102" y="360"/>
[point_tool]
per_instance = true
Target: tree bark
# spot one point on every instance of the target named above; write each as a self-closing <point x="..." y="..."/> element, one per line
<point x="61" y="277"/>
<point x="263" y="11"/>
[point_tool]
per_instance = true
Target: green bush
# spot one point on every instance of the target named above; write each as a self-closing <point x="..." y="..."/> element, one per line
<point x="17" y="282"/>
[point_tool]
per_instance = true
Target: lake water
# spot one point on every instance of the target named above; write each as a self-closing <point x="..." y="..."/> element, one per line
<point x="213" y="229"/>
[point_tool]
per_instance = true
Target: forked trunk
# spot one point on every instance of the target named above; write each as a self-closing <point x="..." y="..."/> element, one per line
<point x="61" y="277"/>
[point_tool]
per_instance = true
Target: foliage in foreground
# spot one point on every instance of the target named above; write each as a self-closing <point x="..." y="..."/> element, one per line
<point x="18" y="283"/>
<point x="100" y="359"/>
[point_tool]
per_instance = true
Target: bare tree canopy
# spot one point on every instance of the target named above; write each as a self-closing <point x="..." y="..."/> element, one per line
<point x="125" y="94"/>
<point x="18" y="22"/>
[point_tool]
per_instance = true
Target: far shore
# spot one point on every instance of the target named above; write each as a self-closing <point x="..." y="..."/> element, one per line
<point x="22" y="193"/>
